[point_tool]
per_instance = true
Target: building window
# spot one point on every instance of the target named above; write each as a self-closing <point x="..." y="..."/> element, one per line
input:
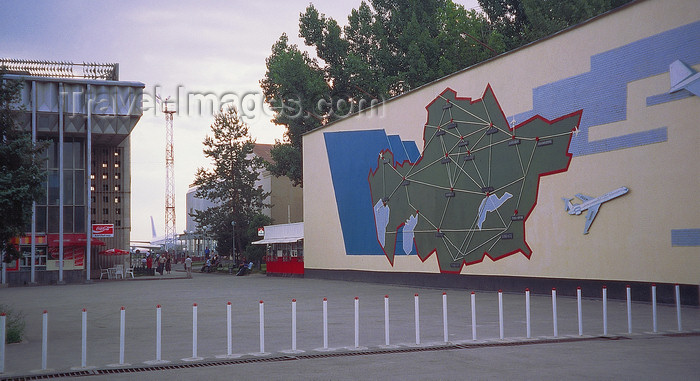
<point x="117" y="188"/>
<point x="117" y="176"/>
<point x="92" y="188"/>
<point x="92" y="176"/>
<point x="117" y="222"/>
<point x="93" y="199"/>
<point x="105" y="211"/>
<point x="104" y="176"/>
<point x="116" y="153"/>
<point x="105" y="187"/>
<point x="105" y="198"/>
<point x="116" y="164"/>
<point x="105" y="221"/>
<point x="94" y="211"/>
<point x="104" y="164"/>
<point x="117" y="200"/>
<point x="117" y="211"/>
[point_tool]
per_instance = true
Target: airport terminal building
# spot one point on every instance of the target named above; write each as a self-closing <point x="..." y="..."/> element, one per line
<point x="571" y="161"/>
<point x="86" y="114"/>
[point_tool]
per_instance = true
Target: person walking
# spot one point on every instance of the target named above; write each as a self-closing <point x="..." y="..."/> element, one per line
<point x="149" y="265"/>
<point x="168" y="264"/>
<point x="188" y="266"/>
<point x="161" y="264"/>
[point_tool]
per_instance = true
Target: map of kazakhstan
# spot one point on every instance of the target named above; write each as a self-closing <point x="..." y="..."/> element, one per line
<point x="474" y="186"/>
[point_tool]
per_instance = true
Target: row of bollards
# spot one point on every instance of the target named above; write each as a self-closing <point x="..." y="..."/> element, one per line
<point x="387" y="342"/>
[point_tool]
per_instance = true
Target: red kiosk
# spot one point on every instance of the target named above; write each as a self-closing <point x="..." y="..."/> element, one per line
<point x="285" y="249"/>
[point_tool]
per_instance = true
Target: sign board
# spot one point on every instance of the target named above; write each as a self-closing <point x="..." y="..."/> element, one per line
<point x="261" y="232"/>
<point x="103" y="230"/>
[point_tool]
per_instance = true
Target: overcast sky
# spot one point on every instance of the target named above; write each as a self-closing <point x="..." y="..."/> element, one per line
<point x="178" y="49"/>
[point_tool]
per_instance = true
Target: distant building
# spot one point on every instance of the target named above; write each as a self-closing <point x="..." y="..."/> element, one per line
<point x="286" y="204"/>
<point x="86" y="114"/>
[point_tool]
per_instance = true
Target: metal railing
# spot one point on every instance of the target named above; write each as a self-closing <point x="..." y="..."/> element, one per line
<point x="60" y="69"/>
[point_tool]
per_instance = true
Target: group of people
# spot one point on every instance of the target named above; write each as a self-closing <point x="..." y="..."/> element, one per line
<point x="211" y="263"/>
<point x="164" y="263"/>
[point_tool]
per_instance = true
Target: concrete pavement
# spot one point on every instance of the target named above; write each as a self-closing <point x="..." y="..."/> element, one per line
<point x="642" y="354"/>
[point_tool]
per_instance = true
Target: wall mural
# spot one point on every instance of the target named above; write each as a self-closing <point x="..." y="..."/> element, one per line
<point x="602" y="92"/>
<point x="470" y="192"/>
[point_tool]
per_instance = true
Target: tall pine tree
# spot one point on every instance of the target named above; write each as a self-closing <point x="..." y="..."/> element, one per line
<point x="230" y="183"/>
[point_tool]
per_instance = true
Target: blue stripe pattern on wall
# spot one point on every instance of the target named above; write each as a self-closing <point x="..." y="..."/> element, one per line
<point x="685" y="237"/>
<point x="602" y="92"/>
<point x="351" y="155"/>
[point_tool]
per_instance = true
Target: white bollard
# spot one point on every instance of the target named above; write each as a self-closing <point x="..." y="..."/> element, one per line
<point x="83" y="352"/>
<point x="580" y="312"/>
<point x="294" y="324"/>
<point x="262" y="327"/>
<point x="194" y="330"/>
<point x="554" y="312"/>
<point x="528" y="330"/>
<point x="357" y="322"/>
<point x="158" y="332"/>
<point x="444" y="317"/>
<point x="386" y="320"/>
<point x="122" y="334"/>
<point x="325" y="323"/>
<point x="473" y="304"/>
<point x="500" y="314"/>
<point x="3" y="335"/>
<point x="653" y="308"/>
<point x="678" y="306"/>
<point x="44" y="339"/>
<point x="229" y="335"/>
<point x="629" y="309"/>
<point x="417" y="315"/>
<point x="605" y="311"/>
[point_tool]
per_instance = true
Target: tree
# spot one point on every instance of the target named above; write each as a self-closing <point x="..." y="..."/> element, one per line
<point x="21" y="172"/>
<point x="384" y="50"/>
<point x="230" y="183"/>
<point x="522" y="21"/>
<point x="292" y="85"/>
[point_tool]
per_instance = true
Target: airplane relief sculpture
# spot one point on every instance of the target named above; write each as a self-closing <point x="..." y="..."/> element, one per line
<point x="591" y="204"/>
<point x="684" y="77"/>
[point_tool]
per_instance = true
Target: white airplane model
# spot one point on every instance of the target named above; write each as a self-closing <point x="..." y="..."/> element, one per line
<point x="684" y="77"/>
<point x="592" y="204"/>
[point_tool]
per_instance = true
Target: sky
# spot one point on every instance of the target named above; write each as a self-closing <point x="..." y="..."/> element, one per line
<point x="182" y="49"/>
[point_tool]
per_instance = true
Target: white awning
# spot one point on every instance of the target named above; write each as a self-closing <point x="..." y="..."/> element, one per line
<point x="278" y="240"/>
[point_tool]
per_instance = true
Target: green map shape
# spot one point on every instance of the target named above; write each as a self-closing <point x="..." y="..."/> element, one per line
<point x="470" y="153"/>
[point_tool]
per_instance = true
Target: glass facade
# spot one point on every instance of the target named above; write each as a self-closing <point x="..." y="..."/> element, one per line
<point x="47" y="210"/>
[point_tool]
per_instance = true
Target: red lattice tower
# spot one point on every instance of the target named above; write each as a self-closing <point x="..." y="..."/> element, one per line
<point x="170" y="227"/>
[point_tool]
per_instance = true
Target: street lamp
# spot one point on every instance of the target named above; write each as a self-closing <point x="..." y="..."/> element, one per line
<point x="233" y="240"/>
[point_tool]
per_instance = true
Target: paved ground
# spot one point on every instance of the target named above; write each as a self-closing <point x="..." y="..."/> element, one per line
<point x="641" y="355"/>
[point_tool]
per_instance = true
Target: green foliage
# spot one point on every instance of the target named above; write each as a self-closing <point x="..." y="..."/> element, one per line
<point x="292" y="86"/>
<point x="20" y="172"/>
<point x="15" y="324"/>
<point x="230" y="183"/>
<point x="524" y="21"/>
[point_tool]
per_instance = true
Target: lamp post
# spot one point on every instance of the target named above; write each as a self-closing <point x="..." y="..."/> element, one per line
<point x="233" y="240"/>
